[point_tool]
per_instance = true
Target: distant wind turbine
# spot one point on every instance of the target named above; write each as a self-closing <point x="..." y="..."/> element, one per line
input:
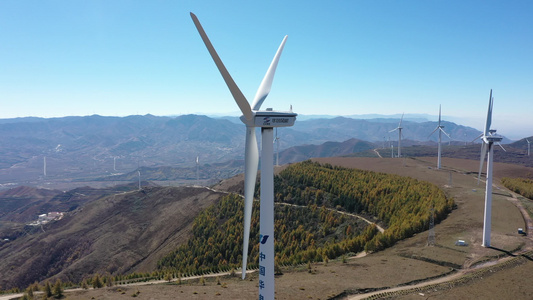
<point x="488" y="139"/>
<point x="267" y="120"/>
<point x="197" y="171"/>
<point x="44" y="166"/>
<point x="441" y="130"/>
<point x="528" y="146"/>
<point x="399" y="128"/>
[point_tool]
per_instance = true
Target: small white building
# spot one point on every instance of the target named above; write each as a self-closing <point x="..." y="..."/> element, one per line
<point x="461" y="243"/>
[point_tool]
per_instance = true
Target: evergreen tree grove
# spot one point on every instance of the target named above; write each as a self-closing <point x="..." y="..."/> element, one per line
<point x="308" y="225"/>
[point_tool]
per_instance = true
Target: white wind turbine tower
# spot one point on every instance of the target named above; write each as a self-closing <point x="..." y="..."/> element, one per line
<point x="399" y="128"/>
<point x="277" y="147"/>
<point x="528" y="146"/>
<point x="488" y="139"/>
<point x="441" y="130"/>
<point x="267" y="120"/>
<point x="197" y="171"/>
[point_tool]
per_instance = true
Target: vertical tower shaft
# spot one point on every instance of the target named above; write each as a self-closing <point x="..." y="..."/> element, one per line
<point x="488" y="199"/>
<point x="400" y="142"/>
<point x="266" y="218"/>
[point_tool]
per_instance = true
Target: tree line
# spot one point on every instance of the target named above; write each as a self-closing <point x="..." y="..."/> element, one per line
<point x="521" y="186"/>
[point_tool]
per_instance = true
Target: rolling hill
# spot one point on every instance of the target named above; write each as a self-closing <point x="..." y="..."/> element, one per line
<point x="121" y="232"/>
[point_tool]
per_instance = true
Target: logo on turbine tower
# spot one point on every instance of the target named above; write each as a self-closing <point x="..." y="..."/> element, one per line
<point x="263" y="238"/>
<point x="266" y="121"/>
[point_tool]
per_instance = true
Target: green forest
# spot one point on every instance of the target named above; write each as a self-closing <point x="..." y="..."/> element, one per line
<point x="309" y="225"/>
<point x="302" y="234"/>
<point x="521" y="186"/>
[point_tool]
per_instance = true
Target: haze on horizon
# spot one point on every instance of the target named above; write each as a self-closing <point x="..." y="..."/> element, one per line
<point x="343" y="58"/>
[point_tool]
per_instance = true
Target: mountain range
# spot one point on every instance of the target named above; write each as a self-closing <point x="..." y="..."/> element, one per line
<point x="104" y="148"/>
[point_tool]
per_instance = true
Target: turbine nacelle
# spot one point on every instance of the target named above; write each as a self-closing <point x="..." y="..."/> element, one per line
<point x="269" y="118"/>
<point x="492" y="137"/>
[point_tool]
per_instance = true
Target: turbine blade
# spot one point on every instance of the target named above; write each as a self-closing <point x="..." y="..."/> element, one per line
<point x="489" y="115"/>
<point x="439" y="115"/>
<point x="266" y="84"/>
<point x="501" y="146"/>
<point x="393" y="129"/>
<point x="400" y="125"/>
<point x="243" y="104"/>
<point x="251" y="164"/>
<point x="477" y="137"/>
<point x="482" y="159"/>
<point x="446" y="133"/>
<point x="433" y="131"/>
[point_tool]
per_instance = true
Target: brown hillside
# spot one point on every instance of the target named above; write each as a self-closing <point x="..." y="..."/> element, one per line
<point x="118" y="233"/>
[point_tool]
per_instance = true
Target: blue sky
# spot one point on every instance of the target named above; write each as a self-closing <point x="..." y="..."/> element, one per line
<point x="118" y="58"/>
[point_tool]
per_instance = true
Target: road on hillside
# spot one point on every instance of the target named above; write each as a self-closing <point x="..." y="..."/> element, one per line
<point x="529" y="246"/>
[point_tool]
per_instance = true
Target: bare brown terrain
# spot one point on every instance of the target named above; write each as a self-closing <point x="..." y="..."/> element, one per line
<point x="443" y="271"/>
<point x="123" y="233"/>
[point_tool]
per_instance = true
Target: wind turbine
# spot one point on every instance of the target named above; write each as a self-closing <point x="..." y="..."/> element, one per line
<point x="441" y="130"/>
<point x="197" y="171"/>
<point x="488" y="139"/>
<point x="528" y="146"/>
<point x="399" y="128"/>
<point x="267" y="120"/>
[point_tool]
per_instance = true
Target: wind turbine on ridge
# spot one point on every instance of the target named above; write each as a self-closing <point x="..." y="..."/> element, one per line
<point x="488" y="139"/>
<point x="268" y="119"/>
<point x="399" y="128"/>
<point x="528" y="146"/>
<point x="441" y="130"/>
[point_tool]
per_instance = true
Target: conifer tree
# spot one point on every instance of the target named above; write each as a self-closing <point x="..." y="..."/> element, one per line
<point x="58" y="289"/>
<point x="97" y="282"/>
<point x="48" y="289"/>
